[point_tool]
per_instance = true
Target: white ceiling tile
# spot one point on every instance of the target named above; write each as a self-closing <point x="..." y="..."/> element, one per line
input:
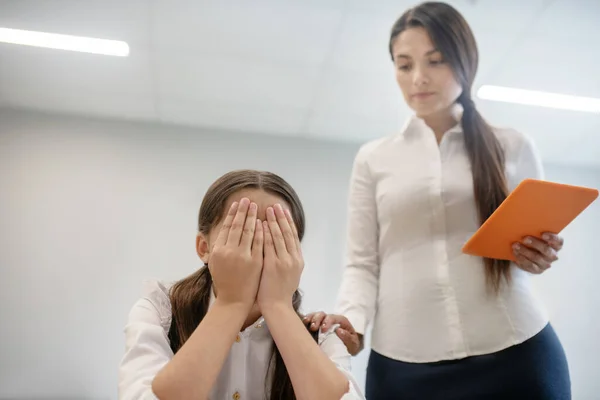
<point x="62" y="81"/>
<point x="503" y="17"/>
<point x="539" y="64"/>
<point x="231" y="116"/>
<point x="391" y="9"/>
<point x="293" y="31"/>
<point x="29" y="68"/>
<point x="107" y="19"/>
<point x="570" y="21"/>
<point x="480" y="14"/>
<point x="559" y="134"/>
<point x="495" y="52"/>
<point x="363" y="44"/>
<point x="235" y="80"/>
<point x="78" y="83"/>
<point x="364" y="94"/>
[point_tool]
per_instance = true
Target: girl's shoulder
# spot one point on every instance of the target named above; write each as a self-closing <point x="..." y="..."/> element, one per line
<point x="154" y="305"/>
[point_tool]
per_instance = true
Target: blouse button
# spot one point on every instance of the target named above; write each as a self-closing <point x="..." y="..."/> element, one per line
<point x="238" y="338"/>
<point x="236" y="396"/>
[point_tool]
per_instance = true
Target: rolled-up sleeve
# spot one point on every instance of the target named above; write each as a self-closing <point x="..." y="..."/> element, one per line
<point x="358" y="292"/>
<point x="147" y="350"/>
<point x="336" y="350"/>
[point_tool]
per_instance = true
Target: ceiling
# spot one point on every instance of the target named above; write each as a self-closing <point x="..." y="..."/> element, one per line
<point x="310" y="68"/>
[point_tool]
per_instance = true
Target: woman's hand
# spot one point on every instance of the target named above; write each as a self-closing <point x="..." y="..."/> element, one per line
<point x="283" y="261"/>
<point x="353" y="340"/>
<point x="536" y="255"/>
<point x="236" y="259"/>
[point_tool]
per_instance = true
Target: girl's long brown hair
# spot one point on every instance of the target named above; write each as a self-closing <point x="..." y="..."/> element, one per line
<point x="190" y="296"/>
<point x="453" y="37"/>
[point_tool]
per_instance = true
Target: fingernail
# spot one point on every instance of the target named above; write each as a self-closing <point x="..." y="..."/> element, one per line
<point x="517" y="246"/>
<point x="244" y="201"/>
<point x="545" y="236"/>
<point x="527" y="241"/>
<point x="234" y="204"/>
<point x="253" y="206"/>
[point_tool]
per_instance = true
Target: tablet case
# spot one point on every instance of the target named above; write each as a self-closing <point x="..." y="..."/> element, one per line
<point x="534" y="207"/>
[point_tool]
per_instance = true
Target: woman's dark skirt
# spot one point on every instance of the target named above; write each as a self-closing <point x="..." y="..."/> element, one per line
<point x="534" y="370"/>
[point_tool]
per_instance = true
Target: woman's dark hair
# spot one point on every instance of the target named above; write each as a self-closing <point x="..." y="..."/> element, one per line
<point x="453" y="37"/>
<point x="190" y="296"/>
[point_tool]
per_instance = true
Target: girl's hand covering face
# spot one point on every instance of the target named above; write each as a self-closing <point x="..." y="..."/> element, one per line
<point x="283" y="261"/>
<point x="236" y="259"/>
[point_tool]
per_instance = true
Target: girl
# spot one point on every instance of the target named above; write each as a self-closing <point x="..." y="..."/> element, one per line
<point x="231" y="330"/>
<point x="445" y="325"/>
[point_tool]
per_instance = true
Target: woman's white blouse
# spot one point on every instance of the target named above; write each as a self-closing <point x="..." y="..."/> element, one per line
<point x="244" y="372"/>
<point x="411" y="209"/>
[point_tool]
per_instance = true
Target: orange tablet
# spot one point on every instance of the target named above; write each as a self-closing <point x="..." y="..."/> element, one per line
<point x="534" y="207"/>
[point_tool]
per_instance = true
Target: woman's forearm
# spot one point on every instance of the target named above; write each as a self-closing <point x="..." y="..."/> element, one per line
<point x="313" y="374"/>
<point x="194" y="369"/>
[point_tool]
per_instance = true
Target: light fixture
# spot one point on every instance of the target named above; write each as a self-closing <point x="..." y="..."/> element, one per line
<point x="540" y="99"/>
<point x="65" y="42"/>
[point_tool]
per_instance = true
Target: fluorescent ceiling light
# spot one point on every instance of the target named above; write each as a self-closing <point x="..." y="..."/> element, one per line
<point x="65" y="42"/>
<point x="541" y="99"/>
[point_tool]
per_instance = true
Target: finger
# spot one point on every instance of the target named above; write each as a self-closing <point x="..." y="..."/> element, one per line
<point x="535" y="257"/>
<point x="317" y="320"/>
<point x="269" y="249"/>
<point x="349" y="340"/>
<point x="286" y="229"/>
<point x="525" y="263"/>
<point x="521" y="261"/>
<point x="249" y="228"/>
<point x="277" y="236"/>
<point x="257" y="243"/>
<point x="288" y="215"/>
<point x="308" y="318"/>
<point x="553" y="240"/>
<point x="328" y="322"/>
<point x="527" y="266"/>
<point x="224" y="232"/>
<point x="346" y="325"/>
<point x="542" y="248"/>
<point x="331" y="320"/>
<point x="237" y="226"/>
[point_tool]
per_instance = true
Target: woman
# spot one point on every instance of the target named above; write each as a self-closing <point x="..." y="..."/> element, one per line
<point x="445" y="325"/>
<point x="231" y="329"/>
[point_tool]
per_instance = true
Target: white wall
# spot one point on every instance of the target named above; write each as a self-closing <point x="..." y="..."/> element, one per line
<point x="89" y="209"/>
<point x="571" y="288"/>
